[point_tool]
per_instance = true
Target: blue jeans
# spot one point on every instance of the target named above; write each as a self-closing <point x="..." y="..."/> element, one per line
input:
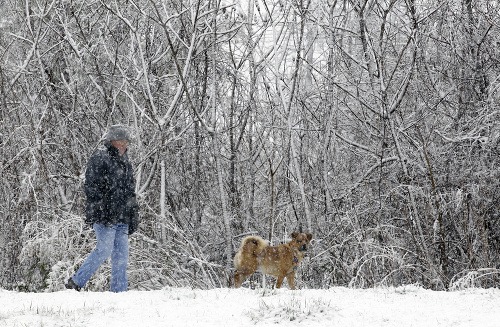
<point x="112" y="242"/>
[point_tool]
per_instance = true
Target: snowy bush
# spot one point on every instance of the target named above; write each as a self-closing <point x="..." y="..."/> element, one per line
<point x="473" y="278"/>
<point x="52" y="249"/>
<point x="296" y="308"/>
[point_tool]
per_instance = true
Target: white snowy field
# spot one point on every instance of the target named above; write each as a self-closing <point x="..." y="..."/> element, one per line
<point x="401" y="307"/>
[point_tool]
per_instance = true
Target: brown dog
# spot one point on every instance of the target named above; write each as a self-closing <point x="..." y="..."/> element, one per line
<point x="279" y="261"/>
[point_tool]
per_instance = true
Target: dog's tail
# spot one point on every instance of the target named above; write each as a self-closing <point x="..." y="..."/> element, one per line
<point x="253" y="244"/>
<point x="250" y="248"/>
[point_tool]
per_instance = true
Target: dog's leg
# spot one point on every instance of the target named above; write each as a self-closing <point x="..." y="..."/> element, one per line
<point x="240" y="277"/>
<point x="279" y="282"/>
<point x="291" y="280"/>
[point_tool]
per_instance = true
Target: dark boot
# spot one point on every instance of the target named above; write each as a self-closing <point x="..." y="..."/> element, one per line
<point x="71" y="285"/>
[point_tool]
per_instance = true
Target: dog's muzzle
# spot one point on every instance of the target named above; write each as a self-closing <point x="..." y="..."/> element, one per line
<point x="303" y="248"/>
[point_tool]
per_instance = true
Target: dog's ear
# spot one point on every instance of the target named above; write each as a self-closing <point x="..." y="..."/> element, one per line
<point x="309" y="236"/>
<point x="294" y="235"/>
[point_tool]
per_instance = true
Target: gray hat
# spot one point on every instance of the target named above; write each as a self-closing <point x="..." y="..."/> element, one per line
<point x="117" y="132"/>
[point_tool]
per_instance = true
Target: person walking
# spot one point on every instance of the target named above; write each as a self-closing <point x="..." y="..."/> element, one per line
<point x="111" y="209"/>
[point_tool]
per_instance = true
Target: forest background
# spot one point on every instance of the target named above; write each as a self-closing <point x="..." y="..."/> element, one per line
<point x="372" y="124"/>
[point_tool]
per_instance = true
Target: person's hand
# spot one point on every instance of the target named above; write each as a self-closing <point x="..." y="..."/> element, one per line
<point x="133" y="209"/>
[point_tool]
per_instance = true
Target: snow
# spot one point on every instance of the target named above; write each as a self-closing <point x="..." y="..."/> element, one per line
<point x="403" y="306"/>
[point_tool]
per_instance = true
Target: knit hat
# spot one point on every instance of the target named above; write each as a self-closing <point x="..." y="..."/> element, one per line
<point x="117" y="132"/>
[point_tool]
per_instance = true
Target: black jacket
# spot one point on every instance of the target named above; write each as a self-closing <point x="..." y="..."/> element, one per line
<point x="110" y="189"/>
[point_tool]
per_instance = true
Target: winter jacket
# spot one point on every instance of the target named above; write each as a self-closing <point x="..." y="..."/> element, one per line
<point x="110" y="189"/>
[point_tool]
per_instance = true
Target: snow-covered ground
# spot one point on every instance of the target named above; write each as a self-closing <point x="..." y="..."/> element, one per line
<point x="401" y="307"/>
